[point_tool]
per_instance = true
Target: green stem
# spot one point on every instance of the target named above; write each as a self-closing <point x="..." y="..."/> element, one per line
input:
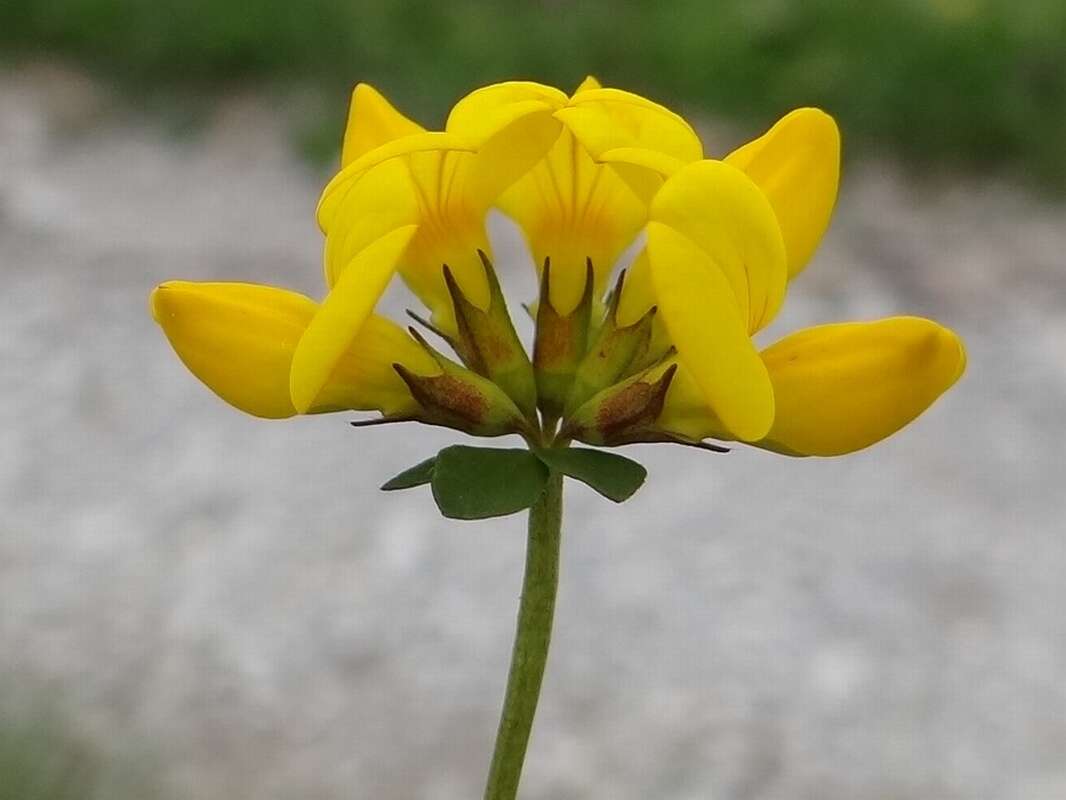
<point x="532" y="636"/>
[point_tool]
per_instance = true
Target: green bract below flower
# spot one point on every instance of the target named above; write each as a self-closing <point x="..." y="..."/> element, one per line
<point x="662" y="352"/>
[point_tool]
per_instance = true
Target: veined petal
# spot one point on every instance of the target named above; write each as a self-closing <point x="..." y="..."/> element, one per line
<point x="719" y="208"/>
<point x="444" y="183"/>
<point x="451" y="229"/>
<point x="372" y="122"/>
<point x="423" y="189"/>
<point x="701" y="314"/>
<point x="381" y="201"/>
<point x="797" y="165"/>
<point x="336" y="190"/>
<point x="342" y="315"/>
<point x="843" y="387"/>
<point x="239" y="339"/>
<point x="572" y="209"/>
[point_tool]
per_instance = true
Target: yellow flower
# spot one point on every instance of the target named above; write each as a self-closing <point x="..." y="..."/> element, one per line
<point x="240" y="338"/>
<point x="837" y="388"/>
<point x="667" y="356"/>
<point x="393" y="173"/>
<point x="572" y="209"/>
<point x="724" y="238"/>
<point x="405" y="200"/>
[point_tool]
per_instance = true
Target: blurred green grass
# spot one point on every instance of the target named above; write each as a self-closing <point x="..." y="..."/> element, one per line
<point x="972" y="83"/>
<point x="41" y="758"/>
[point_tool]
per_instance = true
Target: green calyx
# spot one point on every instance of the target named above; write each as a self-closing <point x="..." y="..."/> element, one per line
<point x="624" y="412"/>
<point x="613" y="353"/>
<point x="460" y="398"/>
<point x="488" y="344"/>
<point x="590" y="380"/>
<point x="560" y="344"/>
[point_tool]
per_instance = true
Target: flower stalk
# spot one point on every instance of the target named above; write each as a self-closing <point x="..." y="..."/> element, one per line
<point x="536" y="611"/>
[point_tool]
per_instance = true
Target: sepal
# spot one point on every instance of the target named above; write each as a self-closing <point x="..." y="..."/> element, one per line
<point x="658" y="436"/>
<point x="560" y="345"/>
<point x="487" y="343"/>
<point x="461" y="399"/>
<point x="613" y="355"/>
<point x="622" y="413"/>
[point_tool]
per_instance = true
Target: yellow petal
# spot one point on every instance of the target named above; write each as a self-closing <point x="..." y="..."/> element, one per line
<point x="700" y="312"/>
<point x="365" y="380"/>
<point x="797" y="165"/>
<point x="605" y="119"/>
<point x="515" y="141"/>
<point x="616" y="127"/>
<point x="513" y="125"/>
<point x="638" y="291"/>
<point x="643" y="171"/>
<point x="372" y="122"/>
<point x="479" y="113"/>
<point x="840" y="388"/>
<point x="719" y="208"/>
<point x="424" y="189"/>
<point x="451" y="229"/>
<point x="237" y="338"/>
<point x="342" y="315"/>
<point x="572" y="209"/>
<point x="589" y="84"/>
<point x="381" y="201"/>
<point x="685" y="410"/>
<point x="341" y="183"/>
<point x="444" y="184"/>
<point x="651" y="161"/>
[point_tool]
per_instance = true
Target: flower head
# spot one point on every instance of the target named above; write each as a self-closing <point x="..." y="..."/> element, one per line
<point x="661" y="352"/>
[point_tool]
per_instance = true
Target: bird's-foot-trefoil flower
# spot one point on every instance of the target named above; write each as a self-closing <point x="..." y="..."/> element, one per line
<point x="660" y="352"/>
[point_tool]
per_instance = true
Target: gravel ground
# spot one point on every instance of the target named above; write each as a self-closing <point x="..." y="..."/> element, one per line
<point x="236" y="599"/>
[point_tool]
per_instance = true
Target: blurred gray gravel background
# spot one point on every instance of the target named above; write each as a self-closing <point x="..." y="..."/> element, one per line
<point x="236" y="600"/>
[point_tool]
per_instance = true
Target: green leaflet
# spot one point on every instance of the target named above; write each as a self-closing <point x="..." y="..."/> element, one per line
<point x="615" y="477"/>
<point x="482" y="482"/>
<point x="418" y="475"/>
<point x="479" y="482"/>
